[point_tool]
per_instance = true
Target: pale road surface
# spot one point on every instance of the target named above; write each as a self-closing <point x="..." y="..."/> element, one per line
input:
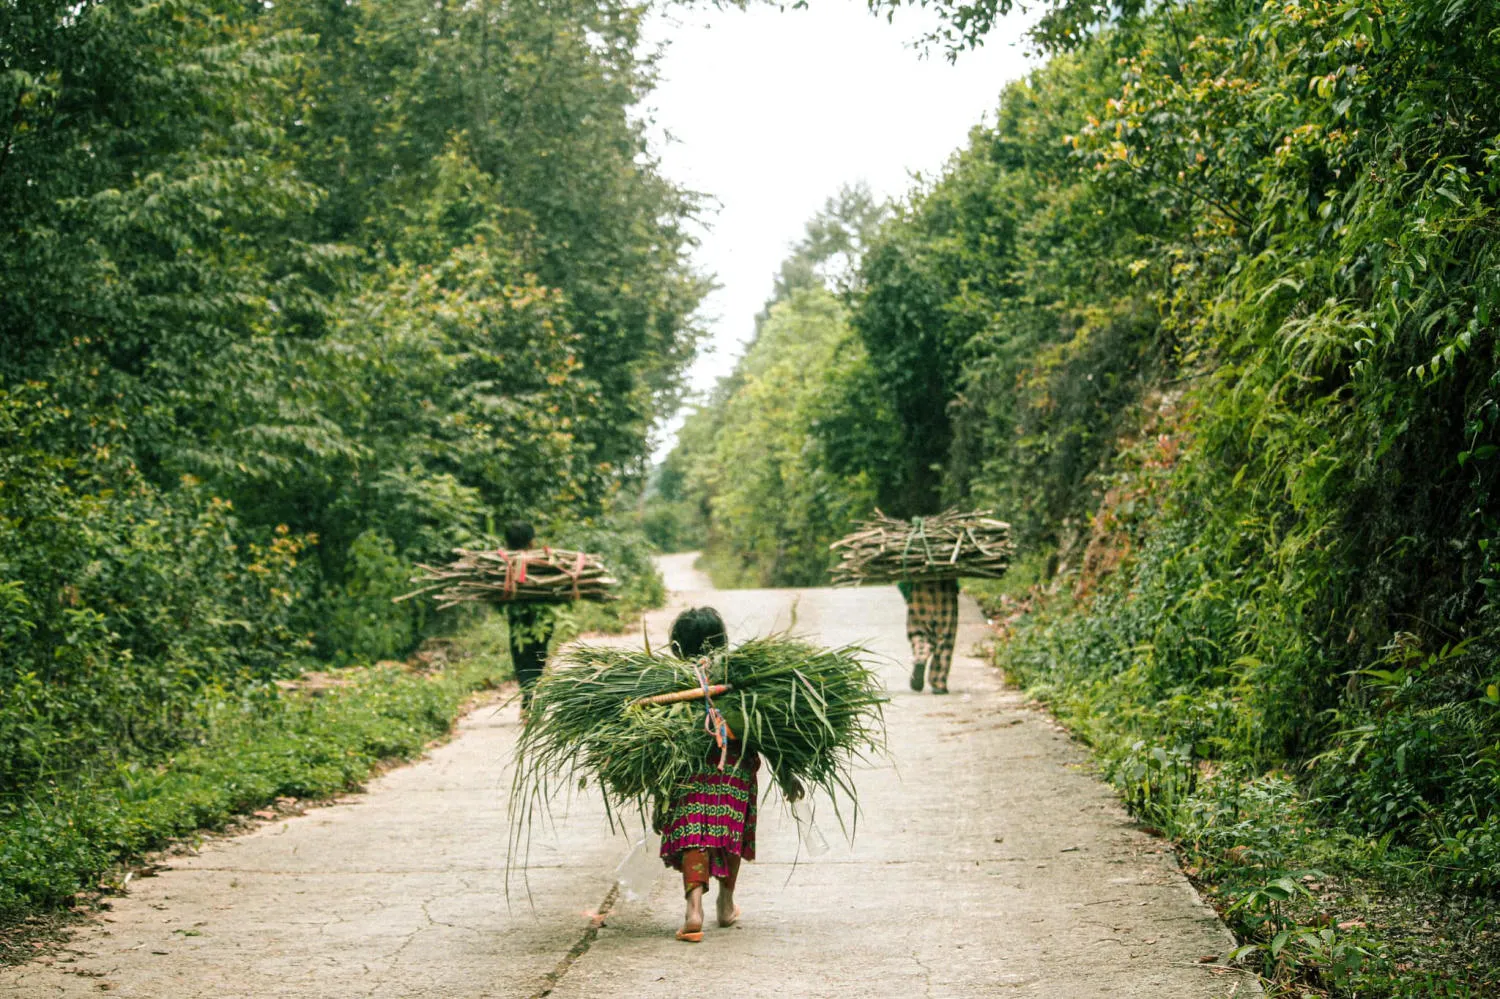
<point x="988" y="862"/>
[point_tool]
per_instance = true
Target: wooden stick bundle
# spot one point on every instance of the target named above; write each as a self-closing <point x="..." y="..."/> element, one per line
<point x="539" y="575"/>
<point x="948" y="546"/>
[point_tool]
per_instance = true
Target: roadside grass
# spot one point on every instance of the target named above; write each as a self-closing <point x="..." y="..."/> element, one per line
<point x="250" y="747"/>
<point x="727" y="570"/>
<point x="64" y="849"/>
<point x="1318" y="910"/>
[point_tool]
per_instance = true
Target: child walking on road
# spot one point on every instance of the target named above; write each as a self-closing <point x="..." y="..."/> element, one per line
<point x="709" y="830"/>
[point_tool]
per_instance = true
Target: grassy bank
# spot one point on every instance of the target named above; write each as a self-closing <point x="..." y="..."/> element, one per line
<point x="319" y="737"/>
<point x="726" y="570"/>
<point x="107" y="762"/>
<point x="1320" y="907"/>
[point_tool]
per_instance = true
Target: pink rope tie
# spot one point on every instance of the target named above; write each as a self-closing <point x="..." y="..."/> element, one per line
<point x="509" y="586"/>
<point x="713" y="719"/>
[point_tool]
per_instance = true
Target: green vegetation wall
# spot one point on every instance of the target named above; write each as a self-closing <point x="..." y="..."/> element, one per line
<point x="292" y="295"/>
<point x="1209" y="311"/>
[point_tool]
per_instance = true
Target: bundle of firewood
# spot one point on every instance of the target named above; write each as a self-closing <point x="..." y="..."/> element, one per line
<point x="541" y="575"/>
<point x="947" y="546"/>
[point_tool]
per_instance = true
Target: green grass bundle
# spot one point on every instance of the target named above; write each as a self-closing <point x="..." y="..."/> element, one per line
<point x="810" y="712"/>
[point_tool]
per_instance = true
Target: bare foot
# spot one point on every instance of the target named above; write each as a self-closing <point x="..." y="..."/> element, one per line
<point x="728" y="912"/>
<point x="692" y="919"/>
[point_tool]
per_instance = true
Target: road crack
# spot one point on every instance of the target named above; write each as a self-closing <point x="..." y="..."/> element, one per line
<point x="551" y="979"/>
<point x="926" y="973"/>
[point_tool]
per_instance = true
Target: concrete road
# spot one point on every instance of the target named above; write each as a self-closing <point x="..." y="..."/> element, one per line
<point x="988" y="862"/>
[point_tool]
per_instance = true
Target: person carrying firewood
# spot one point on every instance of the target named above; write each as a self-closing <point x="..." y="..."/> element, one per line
<point x="932" y="629"/>
<point x="926" y="557"/>
<point x="531" y="624"/>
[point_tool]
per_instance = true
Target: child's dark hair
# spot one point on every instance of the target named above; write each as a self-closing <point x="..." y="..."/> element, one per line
<point x="519" y="534"/>
<point x="698" y="632"/>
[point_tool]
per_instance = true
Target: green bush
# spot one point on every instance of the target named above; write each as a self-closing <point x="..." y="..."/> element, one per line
<point x="122" y="602"/>
<point x="672" y="526"/>
<point x="769" y="475"/>
<point x="626" y="551"/>
<point x="279" y="317"/>
<point x="361" y="623"/>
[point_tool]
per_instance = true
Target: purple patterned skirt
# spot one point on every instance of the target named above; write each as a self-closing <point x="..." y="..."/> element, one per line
<point x="716" y="814"/>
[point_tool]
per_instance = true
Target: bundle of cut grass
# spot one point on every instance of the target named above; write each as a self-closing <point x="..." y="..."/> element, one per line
<point x="948" y="546"/>
<point x="540" y="575"/>
<point x="632" y="722"/>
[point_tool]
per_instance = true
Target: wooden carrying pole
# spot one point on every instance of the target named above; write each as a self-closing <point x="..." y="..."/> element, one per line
<point x="677" y="696"/>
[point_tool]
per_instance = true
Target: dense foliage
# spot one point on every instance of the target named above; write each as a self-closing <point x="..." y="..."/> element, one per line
<point x="292" y="295"/>
<point x="1209" y="313"/>
<point x="1304" y="510"/>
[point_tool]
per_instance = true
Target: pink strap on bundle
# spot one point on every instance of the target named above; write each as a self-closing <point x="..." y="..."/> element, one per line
<point x="713" y="718"/>
<point x="509" y="586"/>
<point x="578" y="572"/>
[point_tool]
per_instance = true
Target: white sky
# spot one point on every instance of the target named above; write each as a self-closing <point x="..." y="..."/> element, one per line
<point x="770" y="111"/>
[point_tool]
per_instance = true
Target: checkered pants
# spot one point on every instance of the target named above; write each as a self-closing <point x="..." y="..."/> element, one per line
<point x="932" y="626"/>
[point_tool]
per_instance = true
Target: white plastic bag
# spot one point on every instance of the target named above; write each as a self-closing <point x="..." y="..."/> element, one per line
<point x="639" y="870"/>
<point x="807" y="830"/>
